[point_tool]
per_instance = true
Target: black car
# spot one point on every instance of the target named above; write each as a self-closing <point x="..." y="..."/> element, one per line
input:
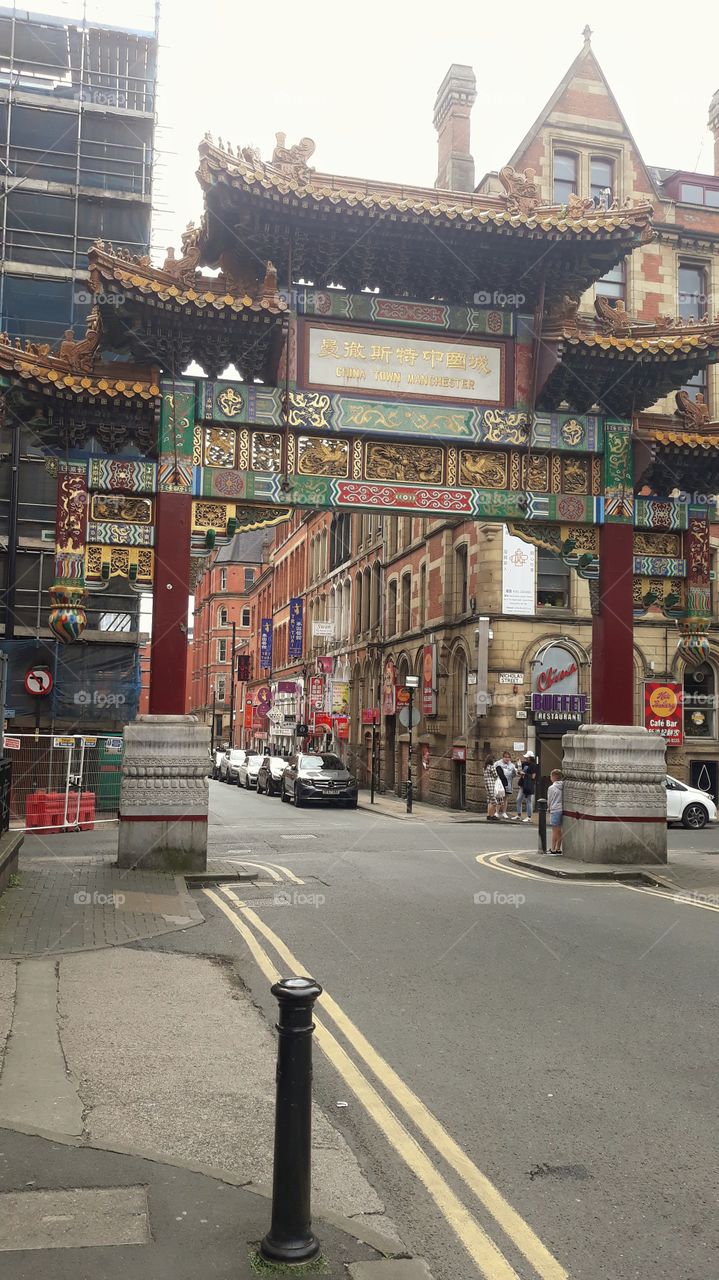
<point x="269" y="778"/>
<point x="318" y="777"/>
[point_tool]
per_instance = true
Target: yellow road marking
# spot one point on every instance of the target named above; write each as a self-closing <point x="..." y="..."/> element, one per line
<point x="481" y="1248"/>
<point x="261" y="866"/>
<point x="501" y="1210"/>
<point x="675" y="898"/>
<point x="290" y="874"/>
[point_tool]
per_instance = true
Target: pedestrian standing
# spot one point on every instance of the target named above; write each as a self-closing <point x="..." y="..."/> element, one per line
<point x="490" y="782"/>
<point x="526" y="786"/>
<point x="555" y="805"/>
<point x="506" y="772"/>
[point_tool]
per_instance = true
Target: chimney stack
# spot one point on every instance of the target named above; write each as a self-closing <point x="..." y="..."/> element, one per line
<point x="714" y="126"/>
<point x="452" y="109"/>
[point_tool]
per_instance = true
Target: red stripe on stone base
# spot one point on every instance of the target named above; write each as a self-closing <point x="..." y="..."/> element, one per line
<point x="163" y="817"/>
<point x="591" y="817"/>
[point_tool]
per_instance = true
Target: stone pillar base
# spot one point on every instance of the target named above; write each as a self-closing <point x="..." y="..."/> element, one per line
<point x="164" y="797"/>
<point x="615" y="800"/>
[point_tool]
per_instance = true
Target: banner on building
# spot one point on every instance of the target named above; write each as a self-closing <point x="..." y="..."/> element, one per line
<point x="263" y="702"/>
<point x="325" y="664"/>
<point x="248" y="714"/>
<point x="389" y="688"/>
<point x="266" y="644"/>
<point x="323" y="722"/>
<point x="317" y="693"/>
<point x="323" y="630"/>
<point x="296" y="630"/>
<point x="518" y="574"/>
<point x="429" y="680"/>
<point x="663" y="709"/>
<point x="340" y="697"/>
<point x="370" y="715"/>
<point x="342" y="727"/>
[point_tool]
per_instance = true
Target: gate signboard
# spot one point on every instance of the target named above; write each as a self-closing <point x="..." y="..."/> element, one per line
<point x="663" y="710"/>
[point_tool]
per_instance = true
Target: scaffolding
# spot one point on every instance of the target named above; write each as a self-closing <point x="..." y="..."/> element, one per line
<point x="77" y="136"/>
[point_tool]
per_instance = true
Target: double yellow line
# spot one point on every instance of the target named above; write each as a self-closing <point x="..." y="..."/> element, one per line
<point x="486" y="1255"/>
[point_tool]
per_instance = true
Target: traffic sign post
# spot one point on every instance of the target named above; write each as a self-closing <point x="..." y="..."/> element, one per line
<point x="411" y="683"/>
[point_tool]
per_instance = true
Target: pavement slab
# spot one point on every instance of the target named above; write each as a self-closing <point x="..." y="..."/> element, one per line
<point x="198" y="1225"/>
<point x="63" y="904"/>
<point x="35" y="1086"/>
<point x="171" y="1056"/>
<point x="82" y="1218"/>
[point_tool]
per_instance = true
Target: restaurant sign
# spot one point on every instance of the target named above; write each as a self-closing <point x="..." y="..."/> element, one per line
<point x="663" y="710"/>
<point x="555" y="686"/>
<point x="385" y="363"/>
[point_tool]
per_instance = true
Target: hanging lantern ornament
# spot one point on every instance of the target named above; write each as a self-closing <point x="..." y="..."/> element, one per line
<point x="67" y="619"/>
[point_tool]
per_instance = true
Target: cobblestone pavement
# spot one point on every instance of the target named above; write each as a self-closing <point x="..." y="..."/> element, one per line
<point x="69" y="901"/>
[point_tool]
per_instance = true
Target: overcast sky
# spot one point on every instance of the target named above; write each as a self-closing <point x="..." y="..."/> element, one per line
<point x="361" y="79"/>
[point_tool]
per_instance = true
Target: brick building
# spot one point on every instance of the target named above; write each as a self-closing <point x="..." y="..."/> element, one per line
<point x="222" y="597"/>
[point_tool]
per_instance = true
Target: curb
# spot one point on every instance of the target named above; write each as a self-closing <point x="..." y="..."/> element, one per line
<point x="352" y="1227"/>
<point x="613" y="871"/>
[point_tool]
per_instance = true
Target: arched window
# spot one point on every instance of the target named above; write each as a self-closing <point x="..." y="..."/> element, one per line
<point x="392" y="608"/>
<point x="366" y="590"/>
<point x="406" y="603"/>
<point x="376" y="605"/>
<point x="358" y="603"/>
<point x="700" y="702"/>
<point x="423" y="594"/>
<point x="222" y="617"/>
<point x="459" y="693"/>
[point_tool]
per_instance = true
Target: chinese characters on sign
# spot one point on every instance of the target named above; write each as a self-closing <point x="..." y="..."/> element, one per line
<point x="317" y="693"/>
<point x="266" y="644"/>
<point x="296" y="628"/>
<point x="395" y="364"/>
<point x="663" y="710"/>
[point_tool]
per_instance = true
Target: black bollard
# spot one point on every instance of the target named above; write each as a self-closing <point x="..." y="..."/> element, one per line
<point x="542" y="822"/>
<point x="290" y="1237"/>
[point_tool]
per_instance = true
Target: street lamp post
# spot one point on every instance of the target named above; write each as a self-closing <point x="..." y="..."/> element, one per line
<point x="411" y="683"/>
<point x="212" y="727"/>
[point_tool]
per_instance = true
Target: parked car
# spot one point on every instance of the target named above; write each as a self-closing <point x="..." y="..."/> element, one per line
<point x="249" y="770"/>
<point x="230" y="765"/>
<point x="216" y="762"/>
<point x="318" y="777"/>
<point x="269" y="778"/>
<point x="688" y="805"/>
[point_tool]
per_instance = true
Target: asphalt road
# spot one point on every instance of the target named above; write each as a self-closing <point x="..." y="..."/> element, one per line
<point x="544" y="1101"/>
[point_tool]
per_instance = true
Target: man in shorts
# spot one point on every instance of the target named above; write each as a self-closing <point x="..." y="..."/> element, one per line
<point x="555" y="808"/>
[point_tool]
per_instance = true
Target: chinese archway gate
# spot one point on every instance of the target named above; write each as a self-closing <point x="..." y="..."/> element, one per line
<point x="442" y="364"/>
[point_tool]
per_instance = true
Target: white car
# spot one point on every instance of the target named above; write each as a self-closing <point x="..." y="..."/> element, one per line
<point x="230" y="765"/>
<point x="249" y="770"/>
<point x="688" y="805"/>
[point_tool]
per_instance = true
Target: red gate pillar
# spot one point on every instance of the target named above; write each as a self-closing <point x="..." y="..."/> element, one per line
<point x="170" y="602"/>
<point x="613" y="628"/>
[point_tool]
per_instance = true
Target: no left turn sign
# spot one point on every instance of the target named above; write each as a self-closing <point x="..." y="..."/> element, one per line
<point x="38" y="681"/>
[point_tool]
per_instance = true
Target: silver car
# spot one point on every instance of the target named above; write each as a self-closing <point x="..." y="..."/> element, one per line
<point x="249" y="770"/>
<point x="230" y="765"/>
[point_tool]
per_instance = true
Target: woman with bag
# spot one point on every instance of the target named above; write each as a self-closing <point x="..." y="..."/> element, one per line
<point x="490" y="782"/>
<point x="527" y="784"/>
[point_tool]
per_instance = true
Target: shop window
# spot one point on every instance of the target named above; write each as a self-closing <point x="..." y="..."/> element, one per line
<point x="601" y="177"/>
<point x="565" y="176"/>
<point x="552" y="581"/>
<point x="700" y="702"/>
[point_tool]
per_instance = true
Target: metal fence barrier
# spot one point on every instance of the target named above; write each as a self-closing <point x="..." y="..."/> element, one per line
<point x="62" y="782"/>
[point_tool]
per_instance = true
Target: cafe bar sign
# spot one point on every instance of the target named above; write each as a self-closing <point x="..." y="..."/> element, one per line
<point x="555" y="686"/>
<point x="383" y="363"/>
